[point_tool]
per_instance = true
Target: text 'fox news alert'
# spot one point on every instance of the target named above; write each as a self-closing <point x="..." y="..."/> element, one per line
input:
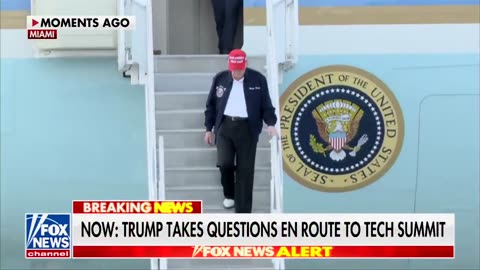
<point x="259" y="252"/>
<point x="46" y="27"/>
<point x="47" y="236"/>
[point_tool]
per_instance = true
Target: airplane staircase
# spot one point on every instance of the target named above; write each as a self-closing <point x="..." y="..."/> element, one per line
<point x="180" y="165"/>
<point x="182" y="84"/>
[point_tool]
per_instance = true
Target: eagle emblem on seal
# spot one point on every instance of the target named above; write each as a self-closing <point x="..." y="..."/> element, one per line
<point x="337" y="123"/>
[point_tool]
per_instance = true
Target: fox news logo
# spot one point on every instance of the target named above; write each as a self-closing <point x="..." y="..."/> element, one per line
<point x="47" y="236"/>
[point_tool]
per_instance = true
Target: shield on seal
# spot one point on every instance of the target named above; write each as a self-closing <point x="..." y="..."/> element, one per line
<point x="338" y="140"/>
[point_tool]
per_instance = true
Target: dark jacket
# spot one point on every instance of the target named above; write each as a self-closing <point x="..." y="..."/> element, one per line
<point x="257" y="99"/>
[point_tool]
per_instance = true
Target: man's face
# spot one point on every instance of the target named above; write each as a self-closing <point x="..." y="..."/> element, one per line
<point x="238" y="74"/>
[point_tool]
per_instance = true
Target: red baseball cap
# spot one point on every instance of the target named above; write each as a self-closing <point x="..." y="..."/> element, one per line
<point x="237" y="60"/>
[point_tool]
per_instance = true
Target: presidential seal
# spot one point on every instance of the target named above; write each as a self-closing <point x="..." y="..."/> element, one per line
<point x="341" y="129"/>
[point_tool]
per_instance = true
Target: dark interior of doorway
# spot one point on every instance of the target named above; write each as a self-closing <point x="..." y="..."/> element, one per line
<point x="190" y="28"/>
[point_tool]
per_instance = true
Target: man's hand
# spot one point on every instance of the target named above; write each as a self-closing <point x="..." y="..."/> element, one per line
<point x="208" y="139"/>
<point x="272" y="131"/>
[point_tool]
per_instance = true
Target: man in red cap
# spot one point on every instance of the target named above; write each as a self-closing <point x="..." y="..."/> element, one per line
<point x="237" y="105"/>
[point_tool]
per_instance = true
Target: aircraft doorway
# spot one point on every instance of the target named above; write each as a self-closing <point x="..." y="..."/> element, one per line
<point x="187" y="27"/>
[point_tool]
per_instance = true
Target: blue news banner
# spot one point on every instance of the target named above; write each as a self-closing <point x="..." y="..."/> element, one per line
<point x="48" y="236"/>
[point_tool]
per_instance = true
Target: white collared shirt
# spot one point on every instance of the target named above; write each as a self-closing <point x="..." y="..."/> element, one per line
<point x="236" y="105"/>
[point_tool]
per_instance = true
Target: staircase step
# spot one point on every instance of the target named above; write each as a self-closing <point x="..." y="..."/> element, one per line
<point x="223" y="264"/>
<point x="205" y="157"/>
<point x="212" y="197"/>
<point x="200" y="63"/>
<point x="180" y="119"/>
<point x="183" y="82"/>
<point x="165" y="101"/>
<point x="209" y="176"/>
<point x="193" y="138"/>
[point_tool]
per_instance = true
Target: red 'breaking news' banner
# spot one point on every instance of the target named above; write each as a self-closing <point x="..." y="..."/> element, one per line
<point x="302" y="252"/>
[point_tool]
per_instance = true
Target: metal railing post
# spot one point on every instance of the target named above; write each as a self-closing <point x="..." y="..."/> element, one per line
<point x="273" y="61"/>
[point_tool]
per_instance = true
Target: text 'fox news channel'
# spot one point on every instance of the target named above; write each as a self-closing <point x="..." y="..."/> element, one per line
<point x="179" y="229"/>
<point x="47" y="27"/>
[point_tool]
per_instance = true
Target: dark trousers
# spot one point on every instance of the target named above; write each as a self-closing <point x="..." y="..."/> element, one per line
<point x="236" y="143"/>
<point x="227" y="14"/>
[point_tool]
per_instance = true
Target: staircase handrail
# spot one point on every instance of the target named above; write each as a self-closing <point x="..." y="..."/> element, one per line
<point x="135" y="57"/>
<point x="159" y="186"/>
<point x="274" y="58"/>
<point x="121" y="38"/>
<point x="147" y="76"/>
<point x="292" y="33"/>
